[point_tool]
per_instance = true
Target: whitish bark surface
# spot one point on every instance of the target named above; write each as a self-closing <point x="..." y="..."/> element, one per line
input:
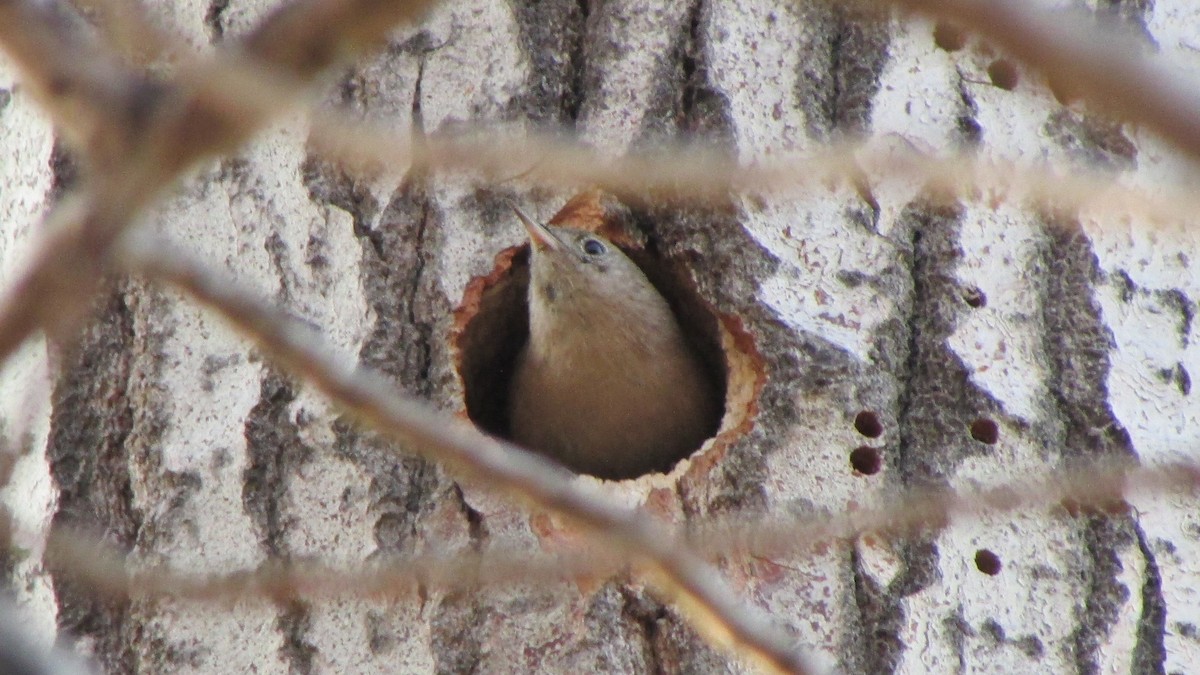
<point x="164" y="430"/>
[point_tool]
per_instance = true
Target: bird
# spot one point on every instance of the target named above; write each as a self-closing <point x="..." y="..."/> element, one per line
<point x="607" y="383"/>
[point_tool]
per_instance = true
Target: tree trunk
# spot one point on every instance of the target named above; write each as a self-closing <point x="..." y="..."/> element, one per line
<point x="896" y="339"/>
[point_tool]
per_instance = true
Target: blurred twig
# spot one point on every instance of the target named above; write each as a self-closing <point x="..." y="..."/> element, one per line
<point x="1102" y="488"/>
<point x="22" y="653"/>
<point x="1099" y="489"/>
<point x="138" y="136"/>
<point x="128" y="28"/>
<point x="156" y="132"/>
<point x="698" y="174"/>
<point x="683" y="575"/>
<point x="1080" y="57"/>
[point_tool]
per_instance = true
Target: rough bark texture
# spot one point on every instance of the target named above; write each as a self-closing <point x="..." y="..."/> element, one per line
<point x="993" y="342"/>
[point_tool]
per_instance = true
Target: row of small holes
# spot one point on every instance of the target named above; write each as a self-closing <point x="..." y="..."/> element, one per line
<point x="1001" y="72"/>
<point x="867" y="460"/>
<point x="983" y="430"/>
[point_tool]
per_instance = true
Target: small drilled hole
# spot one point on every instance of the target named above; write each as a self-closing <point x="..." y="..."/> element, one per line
<point x="974" y="297"/>
<point x="949" y="37"/>
<point x="867" y="423"/>
<point x="985" y="431"/>
<point x="1003" y="74"/>
<point x="987" y="562"/>
<point x="866" y="460"/>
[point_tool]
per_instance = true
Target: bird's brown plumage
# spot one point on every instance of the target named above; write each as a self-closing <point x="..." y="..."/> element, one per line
<point x="607" y="382"/>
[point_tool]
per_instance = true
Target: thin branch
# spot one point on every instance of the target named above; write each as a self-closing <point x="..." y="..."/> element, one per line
<point x="71" y="261"/>
<point x="154" y="132"/>
<point x="106" y="571"/>
<point x="49" y="295"/>
<point x="128" y="28"/>
<point x="247" y="90"/>
<point x="139" y="137"/>
<point x="86" y="91"/>
<point x="1096" y="490"/>
<point x="1079" y="58"/>
<point x="23" y="652"/>
<point x="698" y="174"/>
<point x="691" y="582"/>
<point x="1101" y="489"/>
<point x="305" y="37"/>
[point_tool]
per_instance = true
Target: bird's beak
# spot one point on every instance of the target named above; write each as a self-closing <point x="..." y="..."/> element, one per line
<point x="539" y="235"/>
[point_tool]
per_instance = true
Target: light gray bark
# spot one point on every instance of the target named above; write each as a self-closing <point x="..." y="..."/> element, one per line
<point x="164" y="430"/>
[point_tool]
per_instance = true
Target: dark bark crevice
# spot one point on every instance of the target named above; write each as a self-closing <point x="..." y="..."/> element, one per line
<point x="405" y="345"/>
<point x="274" y="454"/>
<point x="553" y="37"/>
<point x="702" y="112"/>
<point x="457" y="630"/>
<point x="293" y="623"/>
<point x="841" y="68"/>
<point x="649" y="616"/>
<point x="214" y="20"/>
<point x="1150" y="653"/>
<point x="939" y="400"/>
<point x="90" y="426"/>
<point x="1077" y="344"/>
<point x="936" y="401"/>
<point x="879" y="642"/>
<point x="859" y="49"/>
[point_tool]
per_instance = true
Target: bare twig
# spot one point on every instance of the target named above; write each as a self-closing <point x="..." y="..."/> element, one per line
<point x="22" y="652"/>
<point x="106" y="572"/>
<point x="1095" y="490"/>
<point x="1098" y="489"/>
<point x="177" y="126"/>
<point x="700" y="174"/>
<point x="86" y="91"/>
<point x="154" y="132"/>
<point x="49" y="295"/>
<point x="305" y="37"/>
<point x="71" y="261"/>
<point x="128" y="28"/>
<point x="687" y="578"/>
<point x="1078" y="58"/>
<point x="138" y="137"/>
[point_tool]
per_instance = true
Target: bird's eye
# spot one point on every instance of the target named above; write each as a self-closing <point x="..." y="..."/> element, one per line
<point x="593" y="247"/>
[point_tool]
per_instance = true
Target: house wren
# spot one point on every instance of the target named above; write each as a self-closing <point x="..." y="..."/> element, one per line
<point x="607" y="383"/>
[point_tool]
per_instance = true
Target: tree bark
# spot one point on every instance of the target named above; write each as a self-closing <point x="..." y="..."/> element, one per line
<point x="994" y="342"/>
